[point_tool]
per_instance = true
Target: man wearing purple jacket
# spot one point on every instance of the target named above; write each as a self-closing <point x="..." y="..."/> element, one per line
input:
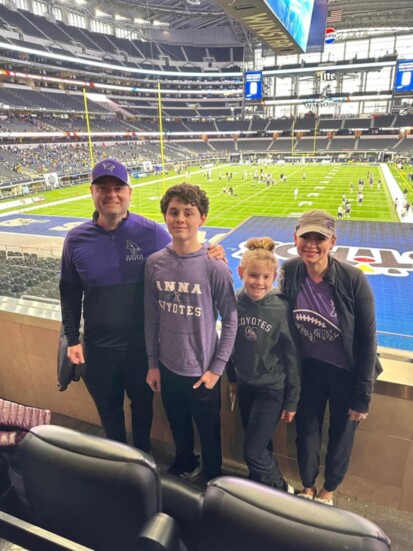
<point x="103" y="273"/>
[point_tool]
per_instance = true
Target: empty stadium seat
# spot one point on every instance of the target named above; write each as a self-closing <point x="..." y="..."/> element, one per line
<point x="183" y="502"/>
<point x="94" y="491"/>
<point x="244" y="515"/>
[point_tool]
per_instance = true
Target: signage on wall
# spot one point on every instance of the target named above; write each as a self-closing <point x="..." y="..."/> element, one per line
<point x="331" y="35"/>
<point x="404" y="76"/>
<point x="253" y="85"/>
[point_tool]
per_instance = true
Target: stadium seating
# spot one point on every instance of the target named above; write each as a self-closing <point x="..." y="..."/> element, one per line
<point x="377" y="143"/>
<point x="198" y="147"/>
<point x="183" y="502"/>
<point x="259" y="125"/>
<point x="198" y="126"/>
<point x="307" y="124"/>
<point x="356" y="123"/>
<point x="233" y="126"/>
<point x="384" y="121"/>
<point x="403" y="121"/>
<point x="108" y="495"/>
<point x="282" y="145"/>
<point x="257" y="145"/>
<point x="405" y="145"/>
<point x="246" y="515"/>
<point x="330" y="124"/>
<point x="28" y="274"/>
<point x="343" y="144"/>
<point x="93" y="491"/>
<point x="306" y="145"/>
<point x="227" y="145"/>
<point x="44" y="107"/>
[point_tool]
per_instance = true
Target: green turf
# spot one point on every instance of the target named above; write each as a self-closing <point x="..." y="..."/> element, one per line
<point x="401" y="177"/>
<point x="323" y="188"/>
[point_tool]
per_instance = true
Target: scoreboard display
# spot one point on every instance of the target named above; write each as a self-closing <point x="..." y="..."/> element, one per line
<point x="404" y="76"/>
<point x="253" y="85"/>
<point x="285" y="26"/>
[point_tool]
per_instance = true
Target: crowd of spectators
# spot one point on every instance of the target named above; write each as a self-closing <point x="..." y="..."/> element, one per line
<point x="29" y="162"/>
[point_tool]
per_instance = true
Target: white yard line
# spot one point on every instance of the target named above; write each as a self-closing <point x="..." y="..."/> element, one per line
<point x="395" y="192"/>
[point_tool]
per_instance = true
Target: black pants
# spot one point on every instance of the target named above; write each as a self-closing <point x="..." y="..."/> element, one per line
<point x="108" y="374"/>
<point x="260" y="410"/>
<point x="182" y="403"/>
<point x="322" y="383"/>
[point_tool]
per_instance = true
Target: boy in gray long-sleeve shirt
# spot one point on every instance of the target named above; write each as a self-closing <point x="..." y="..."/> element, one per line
<point x="184" y="292"/>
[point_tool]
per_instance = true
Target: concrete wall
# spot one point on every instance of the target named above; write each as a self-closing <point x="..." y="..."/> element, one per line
<point x="381" y="468"/>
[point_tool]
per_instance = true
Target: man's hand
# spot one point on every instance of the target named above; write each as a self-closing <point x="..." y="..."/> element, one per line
<point x="75" y="354"/>
<point x="217" y="252"/>
<point x="287" y="416"/>
<point x="356" y="415"/>
<point x="208" y="379"/>
<point x="153" y="379"/>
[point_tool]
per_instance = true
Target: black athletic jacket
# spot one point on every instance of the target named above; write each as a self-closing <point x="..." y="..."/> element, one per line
<point x="354" y="302"/>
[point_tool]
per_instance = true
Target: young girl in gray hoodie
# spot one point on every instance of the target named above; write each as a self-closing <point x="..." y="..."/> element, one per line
<point x="264" y="367"/>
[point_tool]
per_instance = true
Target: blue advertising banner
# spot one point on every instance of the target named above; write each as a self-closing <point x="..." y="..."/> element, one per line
<point x="384" y="251"/>
<point x="404" y="76"/>
<point x="316" y="35"/>
<point x="253" y="85"/>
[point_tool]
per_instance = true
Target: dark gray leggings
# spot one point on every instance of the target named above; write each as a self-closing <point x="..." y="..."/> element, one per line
<point x="321" y="384"/>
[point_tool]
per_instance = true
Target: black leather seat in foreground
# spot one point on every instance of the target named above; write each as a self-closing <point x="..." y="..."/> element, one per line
<point x="242" y="515"/>
<point x="107" y="496"/>
<point x="102" y="494"/>
<point x="183" y="502"/>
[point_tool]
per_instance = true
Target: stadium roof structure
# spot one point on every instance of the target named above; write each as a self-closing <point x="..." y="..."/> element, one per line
<point x="198" y="15"/>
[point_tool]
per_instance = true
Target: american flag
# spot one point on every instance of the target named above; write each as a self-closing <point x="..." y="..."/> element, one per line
<point x="334" y="16"/>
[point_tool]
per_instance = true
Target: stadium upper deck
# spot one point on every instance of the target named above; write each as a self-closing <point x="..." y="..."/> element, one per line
<point x="198" y="79"/>
<point x="348" y="107"/>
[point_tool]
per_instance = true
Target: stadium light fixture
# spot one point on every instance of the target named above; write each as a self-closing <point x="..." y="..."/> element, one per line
<point x="100" y="13"/>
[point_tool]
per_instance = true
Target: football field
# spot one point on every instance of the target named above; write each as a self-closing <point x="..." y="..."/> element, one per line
<point x="371" y="238"/>
<point x="318" y="186"/>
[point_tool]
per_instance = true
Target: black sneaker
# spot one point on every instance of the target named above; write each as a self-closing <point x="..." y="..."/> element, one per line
<point x="186" y="468"/>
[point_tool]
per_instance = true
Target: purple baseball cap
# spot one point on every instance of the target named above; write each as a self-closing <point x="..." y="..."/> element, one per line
<point x="110" y="167"/>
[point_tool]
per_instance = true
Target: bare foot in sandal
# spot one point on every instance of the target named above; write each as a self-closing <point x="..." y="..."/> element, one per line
<point x="325" y="497"/>
<point x="308" y="493"/>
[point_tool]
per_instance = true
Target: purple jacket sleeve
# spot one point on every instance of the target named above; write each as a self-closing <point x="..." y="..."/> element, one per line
<point x="71" y="295"/>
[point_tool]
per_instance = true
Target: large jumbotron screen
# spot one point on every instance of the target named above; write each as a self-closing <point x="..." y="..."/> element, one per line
<point x="295" y="16"/>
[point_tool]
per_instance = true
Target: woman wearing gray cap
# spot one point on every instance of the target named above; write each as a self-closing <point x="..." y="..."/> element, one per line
<point x="334" y="313"/>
